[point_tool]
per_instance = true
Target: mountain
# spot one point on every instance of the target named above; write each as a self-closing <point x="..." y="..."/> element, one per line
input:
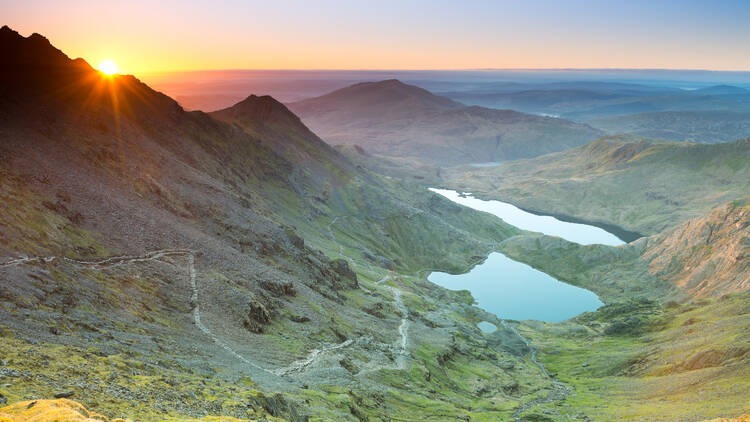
<point x="395" y="119"/>
<point x="706" y="256"/>
<point x="158" y="263"/>
<point x="639" y="185"/>
<point x="163" y="263"/>
<point x="266" y="118"/>
<point x="380" y="101"/>
<point x="691" y="126"/>
<point x="673" y="333"/>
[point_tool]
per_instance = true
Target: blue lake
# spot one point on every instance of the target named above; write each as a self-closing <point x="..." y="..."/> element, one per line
<point x="514" y="290"/>
<point x="574" y="232"/>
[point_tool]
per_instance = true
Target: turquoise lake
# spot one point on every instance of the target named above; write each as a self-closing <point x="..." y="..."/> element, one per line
<point x="574" y="232"/>
<point x="514" y="290"/>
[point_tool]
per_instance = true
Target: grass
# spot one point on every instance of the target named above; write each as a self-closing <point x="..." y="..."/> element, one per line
<point x="643" y="376"/>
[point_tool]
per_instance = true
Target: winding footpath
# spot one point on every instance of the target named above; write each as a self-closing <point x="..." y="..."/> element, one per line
<point x="156" y="255"/>
<point x="559" y="390"/>
<point x="403" y="328"/>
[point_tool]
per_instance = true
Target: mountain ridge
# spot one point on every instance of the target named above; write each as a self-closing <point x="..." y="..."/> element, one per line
<point x="154" y="259"/>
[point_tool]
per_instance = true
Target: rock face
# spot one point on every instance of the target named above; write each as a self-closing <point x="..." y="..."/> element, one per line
<point x="344" y="276"/>
<point x="256" y="316"/>
<point x="708" y="256"/>
<point x="395" y="119"/>
<point x="278" y="406"/>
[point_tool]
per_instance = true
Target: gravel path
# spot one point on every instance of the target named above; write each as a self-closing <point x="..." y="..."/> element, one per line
<point x="559" y="390"/>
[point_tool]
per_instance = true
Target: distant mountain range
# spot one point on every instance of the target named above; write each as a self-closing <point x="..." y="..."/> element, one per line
<point x="584" y="101"/>
<point x="693" y="126"/>
<point x="396" y="119"/>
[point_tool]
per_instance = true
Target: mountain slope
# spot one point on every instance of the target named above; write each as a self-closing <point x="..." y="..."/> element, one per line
<point x="395" y="119"/>
<point x="708" y="256"/>
<point x="635" y="184"/>
<point x="163" y="263"/>
<point x="672" y="337"/>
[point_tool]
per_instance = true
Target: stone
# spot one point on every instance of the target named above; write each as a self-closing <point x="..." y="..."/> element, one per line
<point x="64" y="394"/>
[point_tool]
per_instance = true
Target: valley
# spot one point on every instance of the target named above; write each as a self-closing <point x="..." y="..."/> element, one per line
<point x="164" y="264"/>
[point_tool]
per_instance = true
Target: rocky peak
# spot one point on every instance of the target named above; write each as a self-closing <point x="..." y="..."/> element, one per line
<point x="265" y="108"/>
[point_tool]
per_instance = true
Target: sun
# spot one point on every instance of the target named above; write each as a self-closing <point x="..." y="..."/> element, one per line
<point x="108" y="67"/>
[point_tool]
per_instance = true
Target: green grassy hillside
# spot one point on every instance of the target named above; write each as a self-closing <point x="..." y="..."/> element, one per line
<point x="638" y="185"/>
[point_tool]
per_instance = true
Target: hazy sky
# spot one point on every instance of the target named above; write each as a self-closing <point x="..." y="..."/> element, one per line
<point x="143" y="36"/>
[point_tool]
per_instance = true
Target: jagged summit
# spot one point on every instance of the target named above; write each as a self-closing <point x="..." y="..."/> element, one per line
<point x="39" y="79"/>
<point x="34" y="50"/>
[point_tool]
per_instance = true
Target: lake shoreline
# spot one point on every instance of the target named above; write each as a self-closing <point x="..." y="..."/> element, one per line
<point x="514" y="290"/>
<point x="626" y="235"/>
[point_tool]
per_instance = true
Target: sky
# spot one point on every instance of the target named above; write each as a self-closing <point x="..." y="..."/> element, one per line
<point x="171" y="35"/>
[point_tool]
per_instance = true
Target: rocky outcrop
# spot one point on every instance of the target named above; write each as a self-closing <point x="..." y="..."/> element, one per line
<point x="277" y="406"/>
<point x="256" y="316"/>
<point x="708" y="256"/>
<point x="344" y="276"/>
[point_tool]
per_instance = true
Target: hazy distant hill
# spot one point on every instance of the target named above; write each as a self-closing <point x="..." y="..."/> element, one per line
<point x="722" y="90"/>
<point x="583" y="101"/>
<point x="694" y="126"/>
<point x="396" y="119"/>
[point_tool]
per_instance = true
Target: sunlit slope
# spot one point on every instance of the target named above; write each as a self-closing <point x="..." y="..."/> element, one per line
<point x="71" y="411"/>
<point x="639" y="360"/>
<point x="707" y="256"/>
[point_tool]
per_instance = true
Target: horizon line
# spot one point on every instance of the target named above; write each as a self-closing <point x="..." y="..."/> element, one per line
<point x="480" y="69"/>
